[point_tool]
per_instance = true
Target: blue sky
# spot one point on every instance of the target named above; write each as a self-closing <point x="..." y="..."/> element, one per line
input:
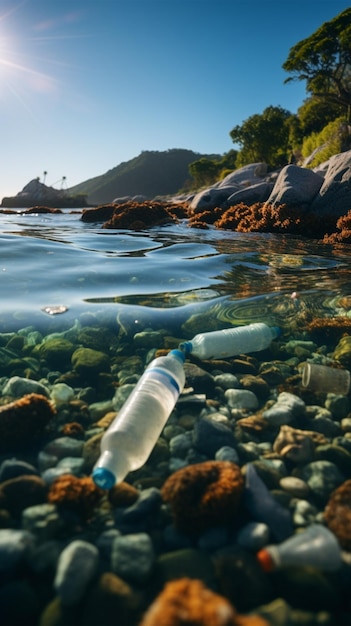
<point x="88" y="84"/>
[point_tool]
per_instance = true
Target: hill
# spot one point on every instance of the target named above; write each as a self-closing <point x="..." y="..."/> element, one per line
<point x="150" y="174"/>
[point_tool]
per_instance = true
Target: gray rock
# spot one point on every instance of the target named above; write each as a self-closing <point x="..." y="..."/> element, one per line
<point x="295" y="486"/>
<point x="211" y="198"/>
<point x="322" y="478"/>
<point x="105" y="541"/>
<point x="226" y="453"/>
<point x="133" y="557"/>
<point x="209" y="436"/>
<point x="148" y="503"/>
<point x="73" y="465"/>
<point x="227" y="381"/>
<point x="11" y="468"/>
<point x="296" y="187"/>
<point x="250" y="195"/>
<point x="180" y="445"/>
<point x="246" y="175"/>
<point x="304" y="513"/>
<point x="334" y="195"/>
<point x="76" y="568"/>
<point x="339" y="406"/>
<point x="253" y="536"/>
<point x="64" y="446"/>
<point x="42" y="520"/>
<point x="287" y="407"/>
<point x="18" y="387"/>
<point x="241" y="399"/>
<point x="15" y="547"/>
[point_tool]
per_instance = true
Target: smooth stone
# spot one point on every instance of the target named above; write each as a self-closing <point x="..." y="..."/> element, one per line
<point x="64" y="446"/>
<point x="209" y="436"/>
<point x="132" y="557"/>
<point x="335" y="454"/>
<point x="18" y="387"/>
<point x="15" y="547"/>
<point x="148" y="339"/>
<point x="88" y="362"/>
<point x="195" y="563"/>
<point x="278" y="415"/>
<point x="241" y="399"/>
<point x="148" y="503"/>
<point x="227" y="453"/>
<point x="227" y="381"/>
<point x="339" y="406"/>
<point x="45" y="461"/>
<point x="42" y="520"/>
<point x="294" y="486"/>
<point x="253" y="536"/>
<point x="61" y="394"/>
<point x="73" y="465"/>
<point x="97" y="410"/>
<point x="11" y="468"/>
<point x="180" y="445"/>
<point x="76" y="568"/>
<point x="50" y="475"/>
<point x="322" y="477"/>
<point x="105" y="540"/>
<point x="304" y="513"/>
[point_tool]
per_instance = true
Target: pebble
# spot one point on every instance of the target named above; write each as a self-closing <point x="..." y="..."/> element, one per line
<point x="148" y="503"/>
<point x="227" y="381"/>
<point x="11" y="468"/>
<point x="73" y="465"/>
<point x="295" y="486"/>
<point x="42" y="520"/>
<point x="132" y="557"/>
<point x="64" y="446"/>
<point x="15" y="546"/>
<point x="322" y="478"/>
<point x="227" y="453"/>
<point x="304" y="513"/>
<point x="253" y="536"/>
<point x="18" y="387"/>
<point x="180" y="445"/>
<point x="209" y="436"/>
<point x="61" y="394"/>
<point x="339" y="406"/>
<point x="241" y="399"/>
<point x="76" y="568"/>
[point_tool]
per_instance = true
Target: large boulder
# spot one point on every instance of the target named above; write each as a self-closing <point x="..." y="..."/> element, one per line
<point x="211" y="198"/>
<point x="245" y="176"/>
<point x="250" y="195"/>
<point x="295" y="187"/>
<point x="334" y="197"/>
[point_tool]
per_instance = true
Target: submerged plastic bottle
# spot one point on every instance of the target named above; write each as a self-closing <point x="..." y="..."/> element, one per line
<point x="129" y="440"/>
<point x="231" y="341"/>
<point x="315" y="547"/>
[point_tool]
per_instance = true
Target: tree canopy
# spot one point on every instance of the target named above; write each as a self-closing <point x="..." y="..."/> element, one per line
<point x="264" y="137"/>
<point x="323" y="60"/>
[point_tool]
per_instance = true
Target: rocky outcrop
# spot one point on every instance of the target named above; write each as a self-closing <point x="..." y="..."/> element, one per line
<point x="36" y="193"/>
<point x="295" y="187"/>
<point x="239" y="180"/>
<point x="324" y="191"/>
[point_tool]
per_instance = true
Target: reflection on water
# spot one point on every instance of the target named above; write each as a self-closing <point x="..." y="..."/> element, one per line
<point x="162" y="278"/>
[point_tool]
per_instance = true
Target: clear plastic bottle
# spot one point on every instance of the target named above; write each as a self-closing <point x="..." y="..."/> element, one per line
<point x="129" y="440"/>
<point x="315" y="547"/>
<point x="231" y="341"/>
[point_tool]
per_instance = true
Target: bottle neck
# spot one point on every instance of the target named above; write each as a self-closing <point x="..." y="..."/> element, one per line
<point x="115" y="462"/>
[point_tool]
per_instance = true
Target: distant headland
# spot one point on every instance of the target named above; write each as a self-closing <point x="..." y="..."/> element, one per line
<point x="35" y="193"/>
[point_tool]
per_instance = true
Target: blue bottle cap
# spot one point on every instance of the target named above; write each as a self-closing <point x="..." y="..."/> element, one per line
<point x="179" y="354"/>
<point x="103" y="478"/>
<point x="185" y="347"/>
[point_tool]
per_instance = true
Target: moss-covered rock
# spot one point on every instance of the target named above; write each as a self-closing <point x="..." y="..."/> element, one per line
<point x="89" y="363"/>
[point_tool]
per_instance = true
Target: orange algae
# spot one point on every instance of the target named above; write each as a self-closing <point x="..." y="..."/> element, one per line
<point x="188" y="602"/>
<point x="204" y="495"/>
<point x="80" y="495"/>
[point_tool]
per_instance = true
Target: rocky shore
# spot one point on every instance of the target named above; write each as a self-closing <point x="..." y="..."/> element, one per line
<point x="248" y="458"/>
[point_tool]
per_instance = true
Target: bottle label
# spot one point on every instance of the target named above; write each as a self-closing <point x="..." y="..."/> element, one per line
<point x="166" y="376"/>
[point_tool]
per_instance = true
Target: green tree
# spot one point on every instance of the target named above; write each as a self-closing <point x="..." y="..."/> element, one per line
<point x="264" y="137"/>
<point x="204" y="171"/>
<point x="315" y="113"/>
<point x="323" y="60"/>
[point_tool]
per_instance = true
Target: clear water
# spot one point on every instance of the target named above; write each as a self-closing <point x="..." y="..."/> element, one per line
<point x="162" y="276"/>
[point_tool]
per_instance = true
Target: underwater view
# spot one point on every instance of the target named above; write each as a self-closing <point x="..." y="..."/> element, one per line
<point x="250" y="458"/>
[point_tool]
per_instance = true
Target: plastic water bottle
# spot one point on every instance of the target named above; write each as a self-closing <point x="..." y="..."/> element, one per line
<point x="129" y="440"/>
<point x="231" y="341"/>
<point x="315" y="547"/>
